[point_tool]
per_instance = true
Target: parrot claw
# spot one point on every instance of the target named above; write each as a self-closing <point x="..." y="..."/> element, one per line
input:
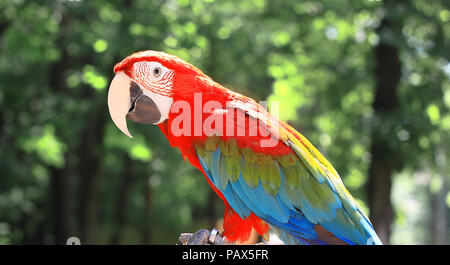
<point x="202" y="237"/>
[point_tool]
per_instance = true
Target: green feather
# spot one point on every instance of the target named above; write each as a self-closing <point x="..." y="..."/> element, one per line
<point x="291" y="176"/>
<point x="270" y="177"/>
<point x="233" y="166"/>
<point x="325" y="195"/>
<point x="223" y="173"/>
<point x="248" y="155"/>
<point x="204" y="154"/>
<point x="211" y="143"/>
<point x="251" y="179"/>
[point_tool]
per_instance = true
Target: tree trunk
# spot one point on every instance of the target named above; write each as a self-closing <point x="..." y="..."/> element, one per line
<point x="60" y="177"/>
<point x="440" y="222"/>
<point x="147" y="228"/>
<point x="122" y="203"/>
<point x="440" y="214"/>
<point x="61" y="188"/>
<point x="90" y="172"/>
<point x="387" y="76"/>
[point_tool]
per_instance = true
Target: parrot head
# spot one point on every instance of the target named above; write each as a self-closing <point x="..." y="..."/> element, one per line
<point x="144" y="86"/>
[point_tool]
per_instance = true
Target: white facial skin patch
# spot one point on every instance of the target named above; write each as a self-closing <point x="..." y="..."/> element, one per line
<point x="156" y="82"/>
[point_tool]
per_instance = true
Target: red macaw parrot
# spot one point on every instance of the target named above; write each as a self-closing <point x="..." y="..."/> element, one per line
<point x="269" y="176"/>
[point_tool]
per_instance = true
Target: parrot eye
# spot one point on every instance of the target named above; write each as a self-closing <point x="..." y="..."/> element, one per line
<point x="157" y="71"/>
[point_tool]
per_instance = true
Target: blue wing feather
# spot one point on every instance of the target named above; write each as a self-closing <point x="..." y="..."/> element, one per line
<point x="290" y="212"/>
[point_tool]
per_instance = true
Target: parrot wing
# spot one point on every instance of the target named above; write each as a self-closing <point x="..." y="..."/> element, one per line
<point x="298" y="193"/>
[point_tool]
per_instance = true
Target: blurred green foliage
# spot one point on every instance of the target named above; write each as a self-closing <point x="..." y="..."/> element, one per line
<point x="66" y="170"/>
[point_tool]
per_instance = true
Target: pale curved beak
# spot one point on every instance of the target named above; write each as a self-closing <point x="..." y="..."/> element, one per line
<point x="126" y="100"/>
<point x="119" y="101"/>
